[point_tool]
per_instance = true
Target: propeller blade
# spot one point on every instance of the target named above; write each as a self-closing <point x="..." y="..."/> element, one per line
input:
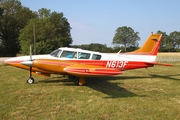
<point x="29" y="63"/>
<point x="30" y="54"/>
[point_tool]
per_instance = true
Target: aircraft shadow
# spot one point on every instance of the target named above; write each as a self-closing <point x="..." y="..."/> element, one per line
<point x="168" y="77"/>
<point x="113" y="90"/>
<point x="101" y="84"/>
<point x="104" y="84"/>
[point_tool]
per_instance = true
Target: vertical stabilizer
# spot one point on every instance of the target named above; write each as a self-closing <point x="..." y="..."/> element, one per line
<point x="151" y="45"/>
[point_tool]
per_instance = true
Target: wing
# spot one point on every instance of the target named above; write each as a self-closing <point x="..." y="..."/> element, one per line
<point x="90" y="70"/>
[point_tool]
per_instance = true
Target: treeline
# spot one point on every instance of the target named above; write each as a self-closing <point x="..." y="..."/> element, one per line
<point x="21" y="27"/>
<point x="171" y="42"/>
<point x="126" y="40"/>
<point x="103" y="48"/>
<point x="45" y="31"/>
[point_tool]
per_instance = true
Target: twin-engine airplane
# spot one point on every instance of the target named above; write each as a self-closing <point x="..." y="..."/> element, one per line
<point x="76" y="62"/>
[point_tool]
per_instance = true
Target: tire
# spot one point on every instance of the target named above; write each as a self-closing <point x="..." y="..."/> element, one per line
<point x="30" y="80"/>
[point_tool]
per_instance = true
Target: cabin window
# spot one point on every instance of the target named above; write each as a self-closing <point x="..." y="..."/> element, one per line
<point x="82" y="55"/>
<point x="56" y="53"/>
<point x="69" y="54"/>
<point x="96" y="57"/>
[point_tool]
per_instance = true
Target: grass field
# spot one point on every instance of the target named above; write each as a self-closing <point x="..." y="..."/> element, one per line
<point x="143" y="94"/>
<point x="168" y="57"/>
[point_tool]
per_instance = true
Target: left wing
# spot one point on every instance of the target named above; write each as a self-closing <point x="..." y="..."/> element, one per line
<point x="90" y="70"/>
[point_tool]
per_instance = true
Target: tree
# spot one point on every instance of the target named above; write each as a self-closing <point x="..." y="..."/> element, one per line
<point x="52" y="31"/>
<point x="12" y="20"/>
<point x="95" y="47"/>
<point x="126" y="36"/>
<point x="175" y="39"/>
<point x="1" y="11"/>
<point x="44" y="13"/>
<point x="166" y="44"/>
<point x="62" y="29"/>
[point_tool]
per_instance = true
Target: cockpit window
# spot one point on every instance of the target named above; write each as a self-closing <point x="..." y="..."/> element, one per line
<point x="82" y="55"/>
<point x="69" y="54"/>
<point x="56" y="53"/>
<point x="96" y="57"/>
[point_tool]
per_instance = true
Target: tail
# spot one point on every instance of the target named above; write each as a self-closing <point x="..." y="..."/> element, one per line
<point x="151" y="46"/>
<point x="149" y="50"/>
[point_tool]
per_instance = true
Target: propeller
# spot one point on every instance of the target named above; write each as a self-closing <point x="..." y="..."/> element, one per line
<point x="30" y="53"/>
<point x="30" y="64"/>
<point x="30" y="61"/>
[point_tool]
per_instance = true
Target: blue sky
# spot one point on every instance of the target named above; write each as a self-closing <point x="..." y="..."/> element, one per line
<point x="95" y="21"/>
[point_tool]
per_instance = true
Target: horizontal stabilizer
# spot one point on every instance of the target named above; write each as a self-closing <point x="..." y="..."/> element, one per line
<point x="162" y="64"/>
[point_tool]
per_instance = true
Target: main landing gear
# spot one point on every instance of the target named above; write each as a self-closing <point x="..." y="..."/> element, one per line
<point x="81" y="81"/>
<point x="78" y="80"/>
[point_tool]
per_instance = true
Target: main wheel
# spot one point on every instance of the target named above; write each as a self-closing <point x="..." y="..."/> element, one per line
<point x="30" y="80"/>
<point x="81" y="81"/>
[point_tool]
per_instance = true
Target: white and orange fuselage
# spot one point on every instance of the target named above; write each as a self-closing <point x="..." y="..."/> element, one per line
<point x="83" y="63"/>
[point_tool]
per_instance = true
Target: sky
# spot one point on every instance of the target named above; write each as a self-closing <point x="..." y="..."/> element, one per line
<point x="96" y="21"/>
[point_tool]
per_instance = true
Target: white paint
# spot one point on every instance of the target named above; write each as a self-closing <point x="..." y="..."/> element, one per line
<point x="108" y="57"/>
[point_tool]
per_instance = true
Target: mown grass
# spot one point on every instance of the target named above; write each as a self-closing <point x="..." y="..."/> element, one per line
<point x="149" y="94"/>
<point x="168" y="57"/>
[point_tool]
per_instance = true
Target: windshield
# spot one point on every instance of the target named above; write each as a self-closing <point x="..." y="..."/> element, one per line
<point x="56" y="53"/>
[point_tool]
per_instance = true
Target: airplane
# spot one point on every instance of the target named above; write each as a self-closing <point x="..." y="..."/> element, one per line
<point x="79" y="63"/>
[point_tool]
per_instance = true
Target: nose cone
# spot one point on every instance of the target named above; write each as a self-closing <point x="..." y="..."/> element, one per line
<point x="9" y="61"/>
<point x="16" y="61"/>
<point x="24" y="61"/>
<point x="12" y="61"/>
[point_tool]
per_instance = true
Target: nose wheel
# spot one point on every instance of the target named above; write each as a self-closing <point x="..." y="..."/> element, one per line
<point x="30" y="80"/>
